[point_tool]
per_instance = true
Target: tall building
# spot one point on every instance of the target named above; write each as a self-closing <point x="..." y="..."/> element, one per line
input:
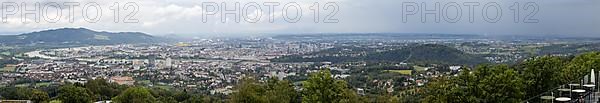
<point x="137" y="64"/>
<point x="168" y="63"/>
<point x="151" y="61"/>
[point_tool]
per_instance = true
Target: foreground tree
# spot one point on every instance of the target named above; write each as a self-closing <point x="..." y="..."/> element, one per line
<point x="447" y="89"/>
<point x="249" y="91"/>
<point x="197" y="99"/>
<point x="73" y="94"/>
<point x="499" y="83"/>
<point x="281" y="91"/>
<point x="580" y="66"/>
<point x="488" y="84"/>
<point x="38" y="96"/>
<point x="135" y="95"/>
<point x="387" y="98"/>
<point x="273" y="91"/>
<point x="322" y="88"/>
<point x="103" y="90"/>
<point x="21" y="93"/>
<point x="541" y="74"/>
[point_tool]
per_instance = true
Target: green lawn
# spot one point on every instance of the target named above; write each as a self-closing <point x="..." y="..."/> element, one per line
<point x="405" y="72"/>
<point x="167" y="87"/>
<point x="8" y="69"/>
<point x="532" y="49"/>
<point x="419" y="68"/>
<point x="144" y="82"/>
<point x="41" y="84"/>
<point x="22" y="85"/>
<point x="55" y="101"/>
<point x="5" y="53"/>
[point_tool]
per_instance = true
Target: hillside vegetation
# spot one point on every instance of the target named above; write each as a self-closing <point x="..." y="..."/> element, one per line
<point x="426" y="53"/>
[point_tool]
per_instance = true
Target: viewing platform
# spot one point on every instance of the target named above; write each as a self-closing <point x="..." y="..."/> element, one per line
<point x="584" y="90"/>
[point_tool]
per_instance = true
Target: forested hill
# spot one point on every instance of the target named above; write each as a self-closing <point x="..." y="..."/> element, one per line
<point x="78" y="36"/>
<point x="426" y="53"/>
<point x="432" y="53"/>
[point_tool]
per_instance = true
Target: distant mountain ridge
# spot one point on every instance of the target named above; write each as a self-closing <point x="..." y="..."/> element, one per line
<point x="78" y="36"/>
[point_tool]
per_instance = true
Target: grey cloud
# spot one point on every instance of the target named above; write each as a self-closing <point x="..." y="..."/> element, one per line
<point x="567" y="17"/>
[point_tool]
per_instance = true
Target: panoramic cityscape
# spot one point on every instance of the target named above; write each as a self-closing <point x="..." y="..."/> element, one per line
<point x="262" y="51"/>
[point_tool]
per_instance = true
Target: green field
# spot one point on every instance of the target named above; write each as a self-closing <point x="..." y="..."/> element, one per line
<point x="532" y="49"/>
<point x="55" y="101"/>
<point x="8" y="69"/>
<point x="405" y="72"/>
<point x="22" y="85"/>
<point x="5" y="53"/>
<point x="419" y="68"/>
<point x="144" y="82"/>
<point x="41" y="84"/>
<point x="167" y="87"/>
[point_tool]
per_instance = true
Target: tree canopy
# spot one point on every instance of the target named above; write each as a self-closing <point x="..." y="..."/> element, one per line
<point x="321" y="87"/>
<point x="104" y="90"/>
<point x="74" y="94"/>
<point x="135" y="95"/>
<point x="503" y="83"/>
<point x="273" y="91"/>
<point x="21" y="93"/>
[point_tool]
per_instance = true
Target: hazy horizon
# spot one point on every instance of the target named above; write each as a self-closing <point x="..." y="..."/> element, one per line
<point x="227" y="35"/>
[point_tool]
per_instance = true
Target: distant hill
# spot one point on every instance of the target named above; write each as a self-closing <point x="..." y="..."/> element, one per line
<point x="376" y="36"/>
<point x="431" y="53"/>
<point x="426" y="53"/>
<point x="78" y="36"/>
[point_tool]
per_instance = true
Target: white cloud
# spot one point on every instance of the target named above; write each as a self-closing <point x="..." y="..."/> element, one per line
<point x="185" y="17"/>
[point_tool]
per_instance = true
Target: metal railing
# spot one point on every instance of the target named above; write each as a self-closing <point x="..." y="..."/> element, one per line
<point x="582" y="90"/>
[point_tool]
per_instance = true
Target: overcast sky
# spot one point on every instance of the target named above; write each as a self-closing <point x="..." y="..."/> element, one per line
<point x="160" y="17"/>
